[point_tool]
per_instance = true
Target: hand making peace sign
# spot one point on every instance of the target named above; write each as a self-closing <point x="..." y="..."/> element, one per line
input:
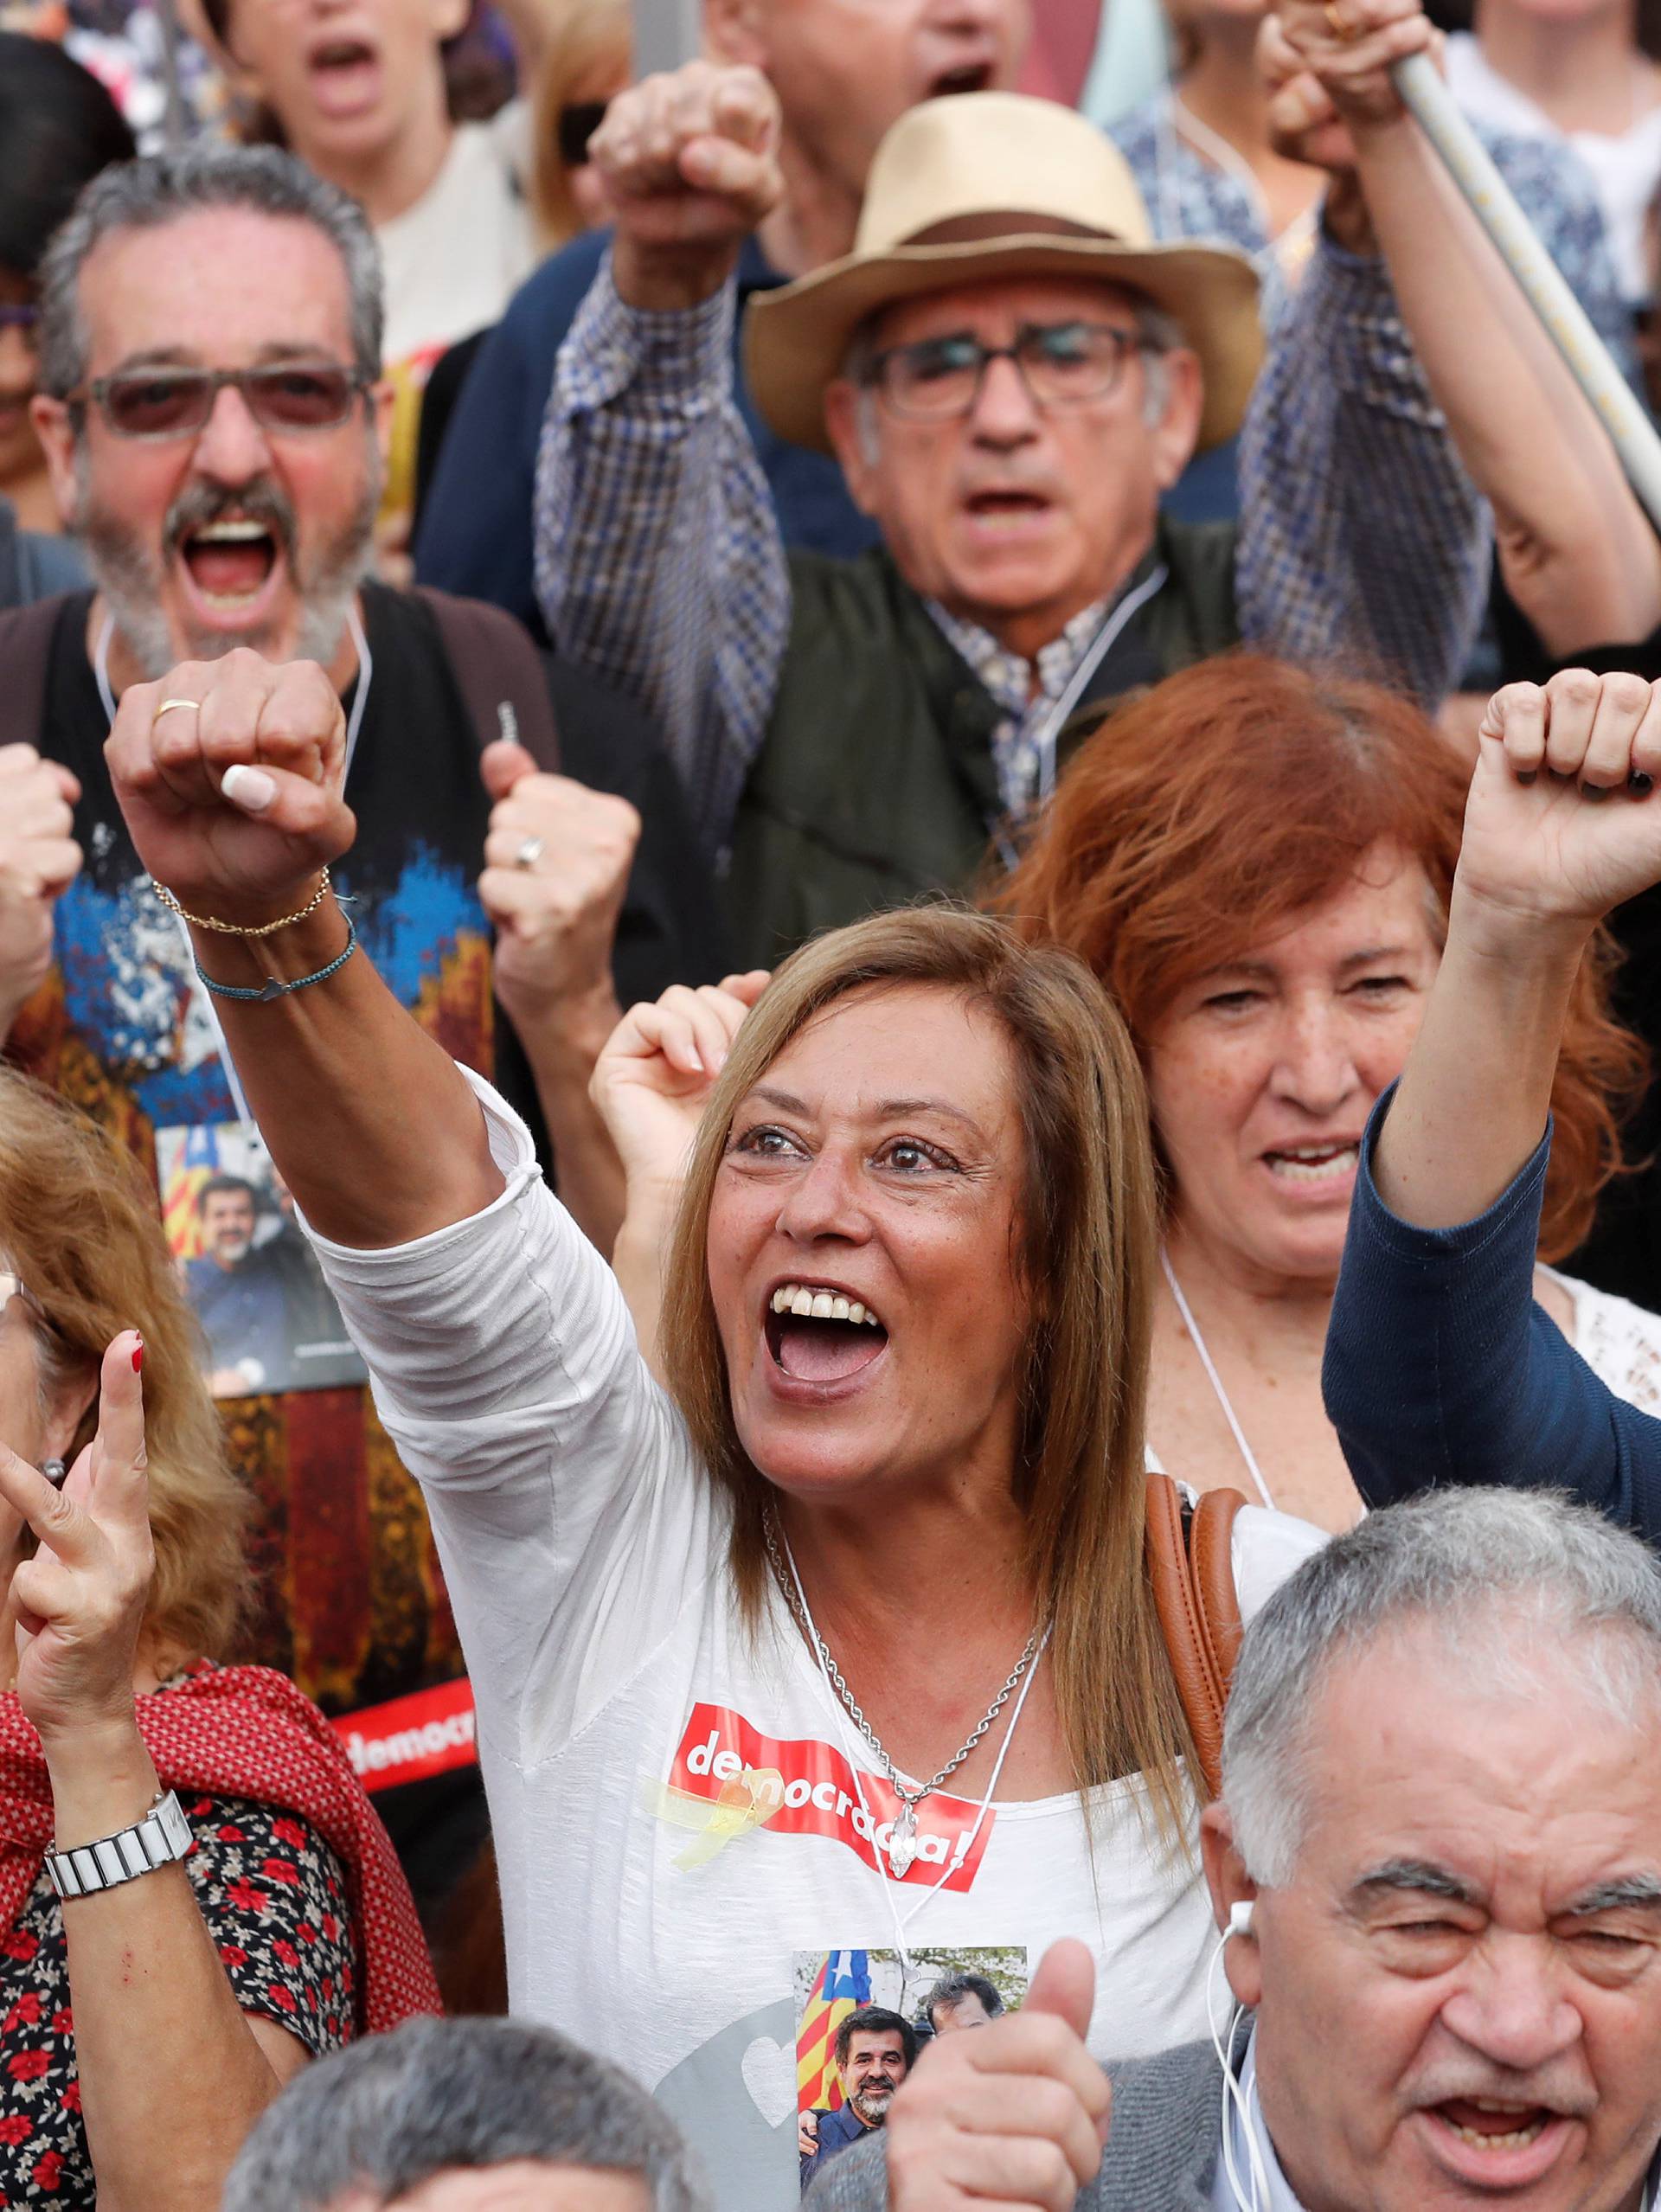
<point x="80" y="1601"/>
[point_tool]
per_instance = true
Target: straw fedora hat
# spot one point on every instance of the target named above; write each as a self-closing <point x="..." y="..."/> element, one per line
<point x="980" y="185"/>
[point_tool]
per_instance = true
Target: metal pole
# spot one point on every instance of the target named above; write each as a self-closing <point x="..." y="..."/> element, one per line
<point x="1561" y="313"/>
<point x="667" y="33"/>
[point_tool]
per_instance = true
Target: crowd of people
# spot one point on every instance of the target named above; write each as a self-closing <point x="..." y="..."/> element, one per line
<point x="826" y="1046"/>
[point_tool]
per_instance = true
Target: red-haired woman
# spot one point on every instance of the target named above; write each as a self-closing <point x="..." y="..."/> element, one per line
<point x="1257" y="862"/>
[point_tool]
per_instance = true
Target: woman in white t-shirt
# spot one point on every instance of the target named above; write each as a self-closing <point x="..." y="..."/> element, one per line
<point x="901" y="1469"/>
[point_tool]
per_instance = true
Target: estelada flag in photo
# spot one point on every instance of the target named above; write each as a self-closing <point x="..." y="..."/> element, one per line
<point x="844" y="1984"/>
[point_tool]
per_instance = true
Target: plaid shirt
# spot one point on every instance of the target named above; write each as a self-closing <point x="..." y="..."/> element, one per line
<point x="659" y="562"/>
<point x="1190" y="196"/>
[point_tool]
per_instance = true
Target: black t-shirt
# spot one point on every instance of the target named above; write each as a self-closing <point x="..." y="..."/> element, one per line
<point x="351" y="1602"/>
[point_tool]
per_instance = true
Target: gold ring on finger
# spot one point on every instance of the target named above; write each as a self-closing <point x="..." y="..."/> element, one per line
<point x="1339" y="25"/>
<point x="168" y="705"/>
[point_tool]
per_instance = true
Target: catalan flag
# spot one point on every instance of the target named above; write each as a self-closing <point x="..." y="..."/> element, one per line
<point x="842" y="1984"/>
<point x="198" y="1160"/>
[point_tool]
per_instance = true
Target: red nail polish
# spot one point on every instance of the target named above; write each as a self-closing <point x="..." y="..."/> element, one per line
<point x="138" y="1357"/>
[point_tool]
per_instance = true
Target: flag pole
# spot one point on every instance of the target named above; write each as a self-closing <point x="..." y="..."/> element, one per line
<point x="1561" y="314"/>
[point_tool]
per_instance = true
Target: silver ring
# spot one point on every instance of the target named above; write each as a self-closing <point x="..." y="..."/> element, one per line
<point x="530" y="852"/>
<point x="167" y="706"/>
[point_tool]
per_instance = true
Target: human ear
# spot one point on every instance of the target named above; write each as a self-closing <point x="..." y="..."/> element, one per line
<point x="56" y="432"/>
<point x="848" y="419"/>
<point x="1173" y="437"/>
<point x="1231" y="1888"/>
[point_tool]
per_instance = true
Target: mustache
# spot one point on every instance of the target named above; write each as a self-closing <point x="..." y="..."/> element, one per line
<point x="1551" y="2090"/>
<point x="202" y="501"/>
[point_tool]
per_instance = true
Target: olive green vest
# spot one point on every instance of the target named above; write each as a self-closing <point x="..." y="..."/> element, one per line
<point x="875" y="781"/>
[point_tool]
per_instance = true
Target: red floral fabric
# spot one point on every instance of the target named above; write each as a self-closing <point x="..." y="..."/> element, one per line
<point x="245" y="1731"/>
<point x="286" y="1940"/>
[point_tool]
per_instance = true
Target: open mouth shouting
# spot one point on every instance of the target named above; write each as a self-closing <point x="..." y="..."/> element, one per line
<point x="820" y="1335"/>
<point x="345" y="76"/>
<point x="1496" y="2141"/>
<point x="963" y="77"/>
<point x="230" y="562"/>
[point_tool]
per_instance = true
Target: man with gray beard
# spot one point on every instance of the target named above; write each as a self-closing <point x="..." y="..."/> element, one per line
<point x="209" y="349"/>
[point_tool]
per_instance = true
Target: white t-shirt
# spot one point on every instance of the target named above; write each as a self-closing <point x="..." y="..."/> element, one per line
<point x="619" y="1698"/>
<point x="1626" y="167"/>
<point x="453" y="261"/>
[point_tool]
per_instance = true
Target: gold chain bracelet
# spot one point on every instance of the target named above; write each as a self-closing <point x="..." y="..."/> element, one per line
<point x="236" y="928"/>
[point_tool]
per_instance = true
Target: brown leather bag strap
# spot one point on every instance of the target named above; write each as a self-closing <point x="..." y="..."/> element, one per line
<point x="1191" y="1570"/>
<point x="499" y="673"/>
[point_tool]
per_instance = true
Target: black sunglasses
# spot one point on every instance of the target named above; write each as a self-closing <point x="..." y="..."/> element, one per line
<point x="577" y="124"/>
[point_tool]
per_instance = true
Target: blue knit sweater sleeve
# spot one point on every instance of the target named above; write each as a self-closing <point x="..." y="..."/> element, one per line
<point x="1441" y="1368"/>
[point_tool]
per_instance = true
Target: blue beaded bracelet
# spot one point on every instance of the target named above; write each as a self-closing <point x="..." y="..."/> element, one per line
<point x="272" y="988"/>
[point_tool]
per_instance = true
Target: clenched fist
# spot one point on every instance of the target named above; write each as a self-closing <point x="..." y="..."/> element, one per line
<point x="556" y="865"/>
<point x="1561" y="823"/>
<point x="689" y="163"/>
<point x="229" y="775"/>
<point x="38" y="860"/>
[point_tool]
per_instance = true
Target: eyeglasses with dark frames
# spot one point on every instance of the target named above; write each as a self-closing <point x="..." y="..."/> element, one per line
<point x="287" y="397"/>
<point x="1062" y="365"/>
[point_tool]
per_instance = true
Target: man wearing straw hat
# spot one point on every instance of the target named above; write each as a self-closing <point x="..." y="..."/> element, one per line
<point x="1010" y="373"/>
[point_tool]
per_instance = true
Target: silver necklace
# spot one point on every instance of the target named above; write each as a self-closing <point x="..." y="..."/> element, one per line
<point x="902" y="1839"/>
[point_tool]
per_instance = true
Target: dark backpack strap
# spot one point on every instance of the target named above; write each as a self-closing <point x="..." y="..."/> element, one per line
<point x="1190" y="1560"/>
<point x="500" y="674"/>
<point x="26" y="634"/>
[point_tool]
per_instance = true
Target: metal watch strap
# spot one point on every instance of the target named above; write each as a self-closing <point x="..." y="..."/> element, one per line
<point x="159" y="1839"/>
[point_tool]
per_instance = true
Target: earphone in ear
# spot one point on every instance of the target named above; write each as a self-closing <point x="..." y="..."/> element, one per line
<point x="1240" y="1918"/>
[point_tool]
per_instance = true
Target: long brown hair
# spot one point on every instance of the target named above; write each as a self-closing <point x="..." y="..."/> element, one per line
<point x="79" y="1224"/>
<point x="1087" y="1258"/>
<point x="1204" y="817"/>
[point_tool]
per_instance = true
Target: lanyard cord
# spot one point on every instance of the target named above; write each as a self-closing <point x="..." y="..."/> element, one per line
<point x="1092" y="658"/>
<point x="365" y="675"/>
<point x="901" y="1924"/>
<point x="1215" y="1379"/>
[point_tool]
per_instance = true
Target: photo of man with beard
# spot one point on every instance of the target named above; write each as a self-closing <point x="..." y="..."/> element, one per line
<point x="237" y="1289"/>
<point x="874" y="2050"/>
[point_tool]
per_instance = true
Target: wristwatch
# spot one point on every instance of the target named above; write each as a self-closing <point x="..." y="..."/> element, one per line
<point x="159" y="1839"/>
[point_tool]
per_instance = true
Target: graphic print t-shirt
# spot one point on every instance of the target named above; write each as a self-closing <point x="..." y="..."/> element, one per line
<point x="679" y="1809"/>
<point x="352" y="1602"/>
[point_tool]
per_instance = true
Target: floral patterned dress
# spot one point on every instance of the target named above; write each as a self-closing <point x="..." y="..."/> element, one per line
<point x="274" y="1896"/>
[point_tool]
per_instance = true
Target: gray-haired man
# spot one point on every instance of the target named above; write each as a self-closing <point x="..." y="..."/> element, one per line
<point x="1438" y="1862"/>
<point x="209" y="348"/>
<point x="464" y="2116"/>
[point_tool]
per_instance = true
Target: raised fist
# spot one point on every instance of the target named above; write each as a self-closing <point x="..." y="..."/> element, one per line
<point x="654" y="1078"/>
<point x="38" y="860"/>
<point x="690" y="164"/>
<point x="1561" y="823"/>
<point x="556" y="865"/>
<point x="1327" y="63"/>
<point x="229" y="775"/>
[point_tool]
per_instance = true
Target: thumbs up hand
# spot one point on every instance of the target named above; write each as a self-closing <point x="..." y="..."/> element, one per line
<point x="557" y="866"/>
<point x="1012" y="2114"/>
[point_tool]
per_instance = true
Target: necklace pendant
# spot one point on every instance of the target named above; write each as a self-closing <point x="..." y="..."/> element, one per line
<point x="902" y="1842"/>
